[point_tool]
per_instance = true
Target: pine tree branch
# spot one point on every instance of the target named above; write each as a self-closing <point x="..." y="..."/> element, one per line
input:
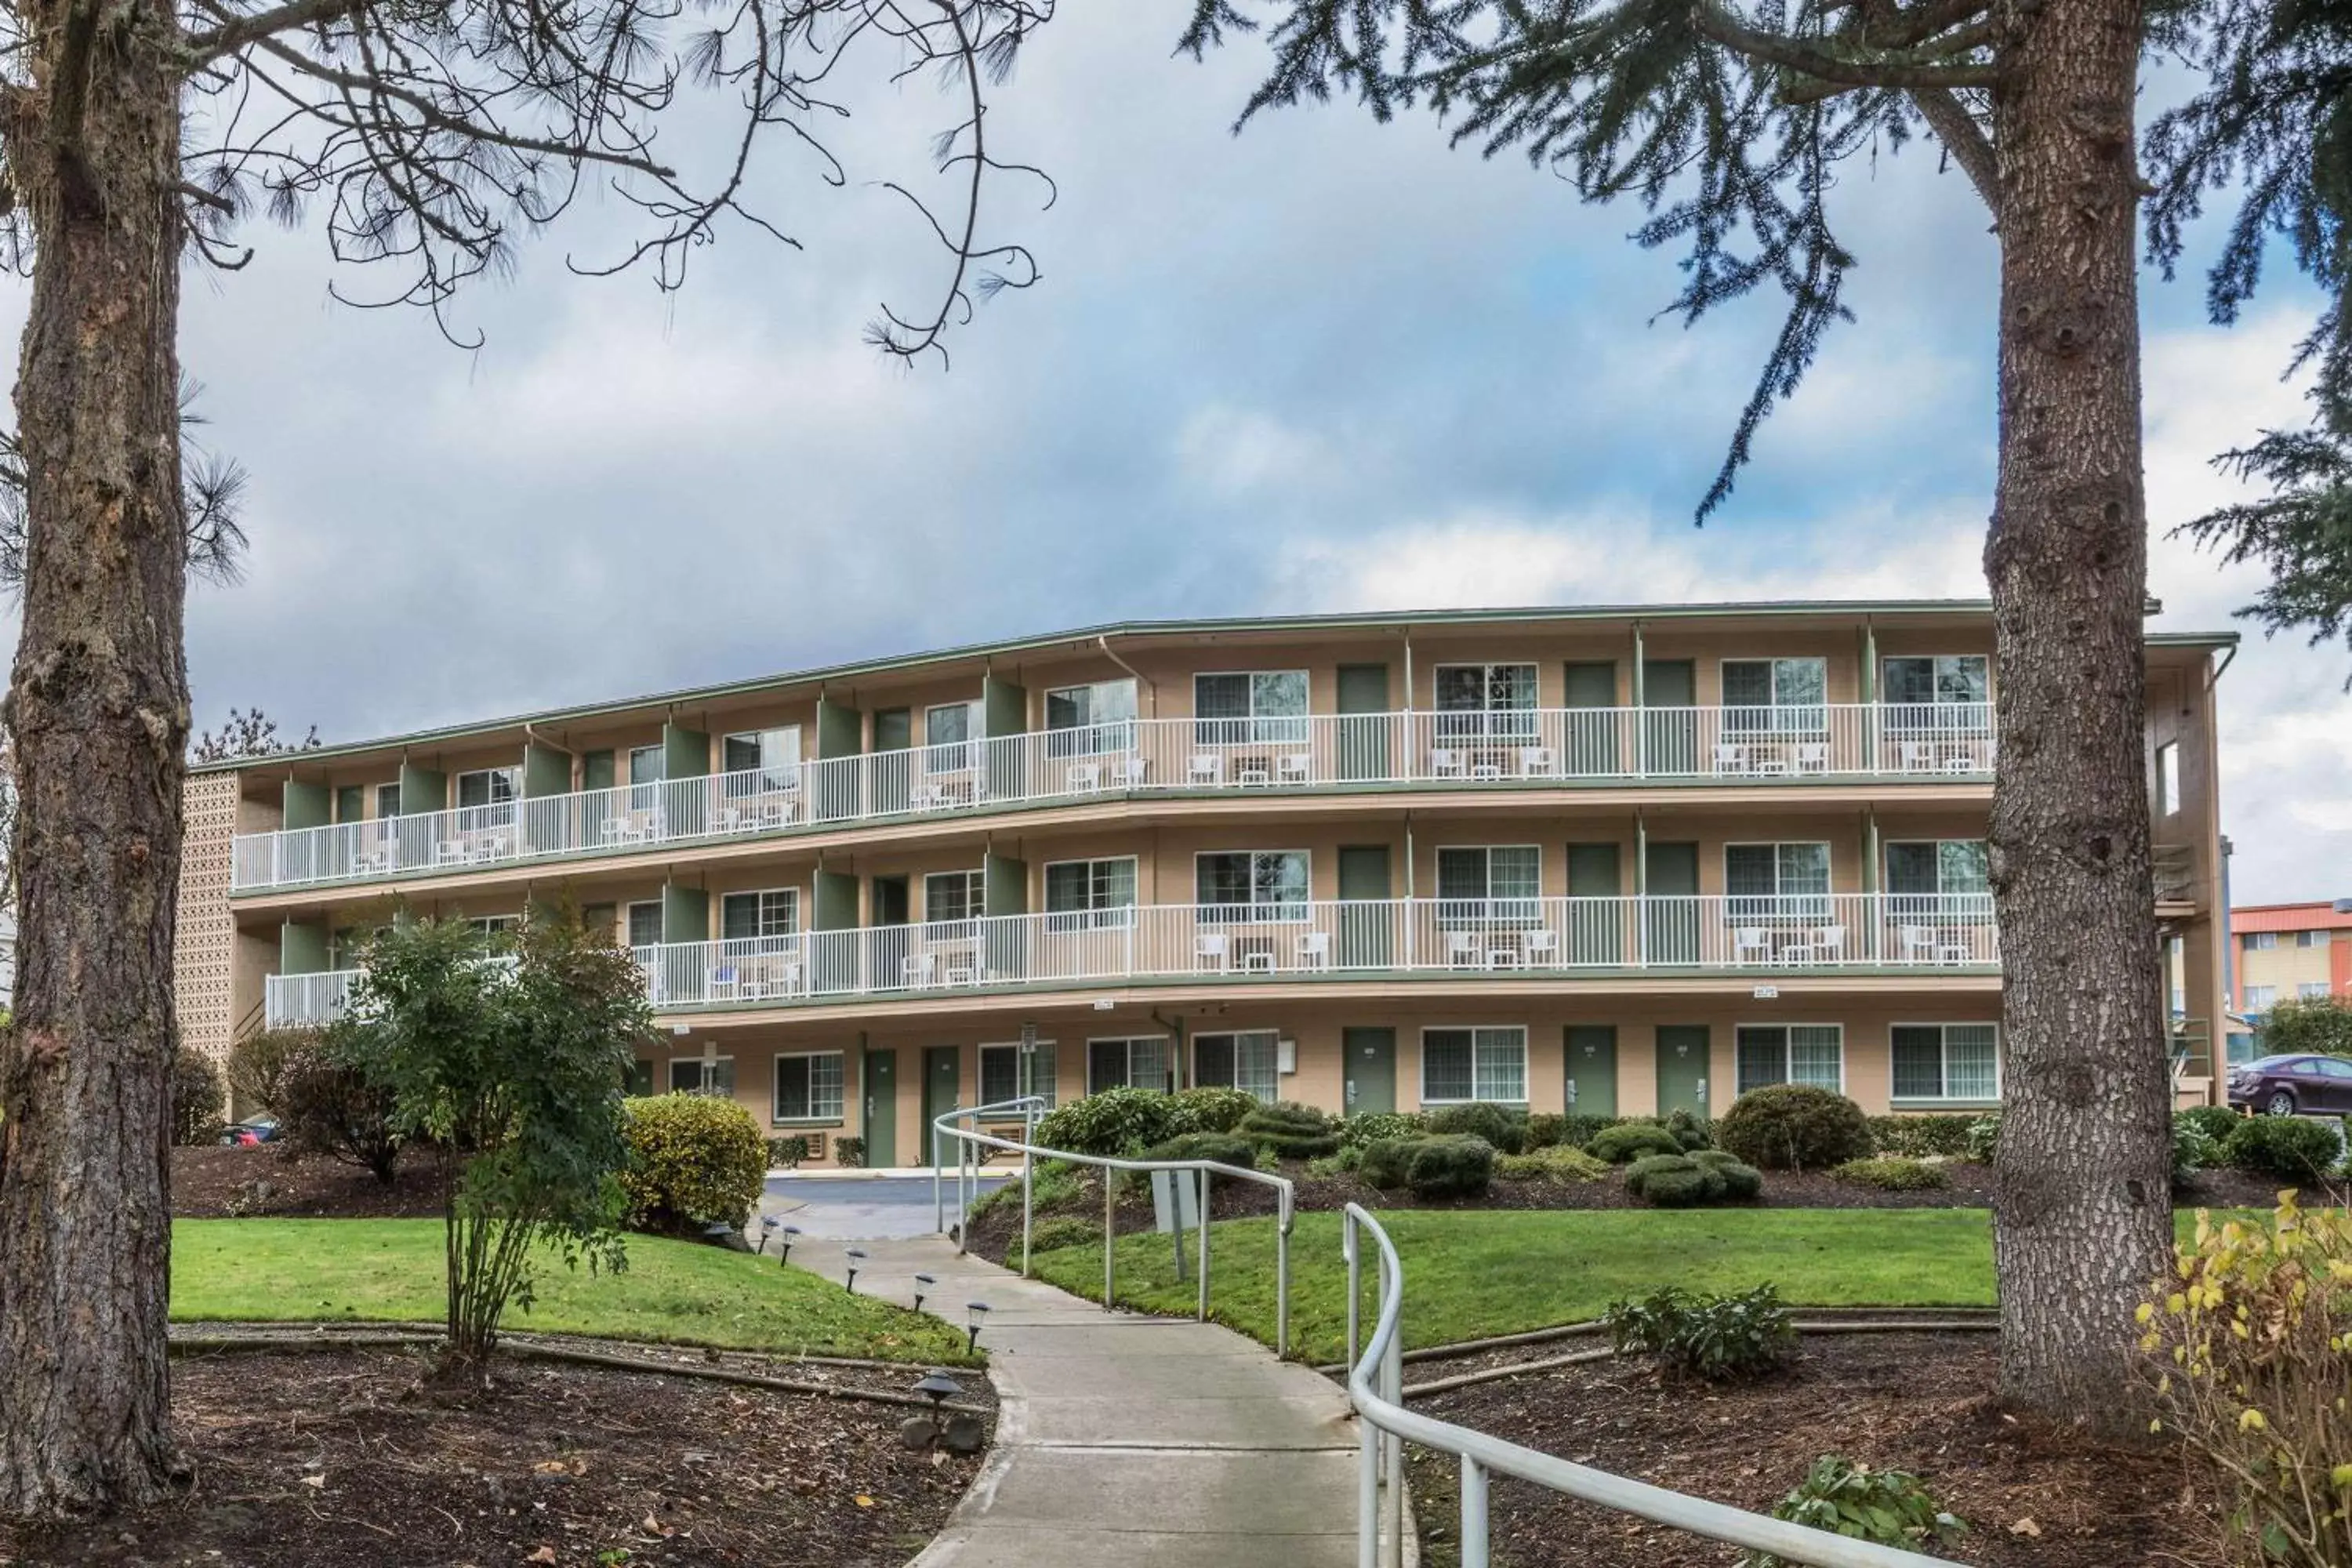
<point x="1964" y="139"/>
<point x="236" y="32"/>
<point x="1875" y="69"/>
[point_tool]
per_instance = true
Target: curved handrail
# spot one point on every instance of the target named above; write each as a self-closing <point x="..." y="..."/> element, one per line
<point x="1375" y="1386"/>
<point x="970" y="1141"/>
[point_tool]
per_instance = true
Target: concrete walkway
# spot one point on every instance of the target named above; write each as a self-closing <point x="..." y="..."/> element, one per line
<point x="1124" y="1441"/>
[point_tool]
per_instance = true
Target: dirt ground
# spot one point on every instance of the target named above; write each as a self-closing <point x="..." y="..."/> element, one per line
<point x="2032" y="1498"/>
<point x="269" y="1180"/>
<point x="324" y="1461"/>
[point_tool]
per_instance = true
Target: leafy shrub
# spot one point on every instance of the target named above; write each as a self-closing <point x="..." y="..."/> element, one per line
<point x="1984" y="1138"/>
<point x="329" y="1104"/>
<point x="1715" y="1339"/>
<point x="1504" y="1128"/>
<point x="2216" y="1122"/>
<point x="2264" y="1409"/>
<point x="1450" y="1165"/>
<point x="1224" y="1148"/>
<point x="1110" y="1121"/>
<point x="196" y="1097"/>
<point x="1544" y="1129"/>
<point x="1579" y="1130"/>
<point x="1691" y="1132"/>
<point x="1212" y="1108"/>
<point x="1371" y="1126"/>
<point x="1383" y="1162"/>
<point x="1290" y="1132"/>
<point x="2322" y="1025"/>
<point x="1892" y="1173"/>
<point x="1887" y="1508"/>
<point x="1741" y="1181"/>
<point x="2287" y="1148"/>
<point x="1058" y="1231"/>
<point x="1330" y="1167"/>
<point x="257" y="1065"/>
<point x="694" y="1159"/>
<point x="1551" y="1164"/>
<point x="1673" y="1182"/>
<point x="1793" y="1127"/>
<point x="1631" y="1140"/>
<point x="1518" y="1168"/>
<point x="849" y="1153"/>
<point x="787" y="1153"/>
<point x="1920" y="1137"/>
<point x="2192" y="1149"/>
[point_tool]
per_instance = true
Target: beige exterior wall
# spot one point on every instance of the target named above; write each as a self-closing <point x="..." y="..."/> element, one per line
<point x="203" y="946"/>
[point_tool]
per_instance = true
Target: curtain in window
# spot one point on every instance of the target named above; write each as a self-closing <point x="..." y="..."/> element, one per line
<point x="1244" y="1061"/>
<point x="1501" y="1065"/>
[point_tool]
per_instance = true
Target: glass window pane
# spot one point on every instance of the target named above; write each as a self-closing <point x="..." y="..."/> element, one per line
<point x="1800" y="682"/>
<point x="1762" y="1058"/>
<point x="1750" y="870"/>
<point x="1816" y="1055"/>
<point x="1963" y="867"/>
<point x="1972" y="1061"/>
<point x="1460" y="873"/>
<point x="1067" y="708"/>
<point x="1747" y="683"/>
<point x="1282" y="881"/>
<point x="1964" y="678"/>
<point x="1511" y="687"/>
<point x="1000" y="1068"/>
<point x="739" y="916"/>
<point x="1067" y="886"/>
<point x="1106" y="1065"/>
<point x="1221" y="880"/>
<point x="1147" y="1063"/>
<point x="1515" y="872"/>
<point x="1213" y="1061"/>
<point x="1909" y="681"/>
<point x="644" y="924"/>
<point x="1912" y="868"/>
<point x="647" y="765"/>
<point x="1804" y="868"/>
<point x="1461" y="688"/>
<point x="1446" y="1066"/>
<point x="1502" y="1066"/>
<point x="1918" y="1062"/>
<point x="1280" y="694"/>
<point x="944" y="726"/>
<point x="1221" y="696"/>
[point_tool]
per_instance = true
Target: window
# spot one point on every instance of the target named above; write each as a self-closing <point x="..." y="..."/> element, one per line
<point x="1792" y="1053"/>
<point x="1015" y="1072"/>
<point x="1126" y="1063"/>
<point x="2168" y="778"/>
<point x="489" y="794"/>
<point x="1777" y="695"/>
<point x="949" y="730"/>
<point x="1503" y="882"/>
<point x="387" y="799"/>
<point x="1764" y="880"/>
<point x="2311" y="939"/>
<point x="1945" y="693"/>
<point x="756" y="762"/>
<point x="646" y="923"/>
<point x="808" y="1088"/>
<point x="1940" y="879"/>
<point x="1234" y="709"/>
<point x="497" y="927"/>
<point x="2311" y="991"/>
<point x="2260" y="998"/>
<point x="954" y="895"/>
<point x="1089" y="895"/>
<point x="648" y="766"/>
<point x="2261" y="941"/>
<point x="1086" y="720"/>
<point x="1947" y="1061"/>
<point x="1245" y="1060"/>
<point x="1459" y="1064"/>
<point x="748" y="917"/>
<point x="1251" y="885"/>
<point x="703" y="1075"/>
<point x="1485" y="701"/>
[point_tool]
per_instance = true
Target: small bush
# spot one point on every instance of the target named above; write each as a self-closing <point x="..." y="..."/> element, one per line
<point x="786" y="1153"/>
<point x="1290" y="1132"/>
<point x="1715" y="1339"/>
<point x="1053" y="1233"/>
<point x="694" y="1159"/>
<point x="1544" y="1129"/>
<point x="1794" y="1127"/>
<point x="1208" y="1109"/>
<point x="257" y="1065"/>
<point x="327" y="1105"/>
<point x="2192" y="1150"/>
<point x="1562" y="1163"/>
<point x="2286" y="1148"/>
<point x="1520" y="1168"/>
<point x="1383" y="1162"/>
<point x="1674" y="1182"/>
<point x="1691" y="1132"/>
<point x="1921" y="1137"/>
<point x="1371" y="1126"/>
<point x="1331" y="1167"/>
<point x="849" y="1153"/>
<point x="1504" y="1128"/>
<point x="1110" y="1121"/>
<point x="1224" y="1148"/>
<point x="1579" y="1130"/>
<point x="1631" y="1140"/>
<point x="196" y="1099"/>
<point x="1892" y="1173"/>
<point x="1888" y="1508"/>
<point x="2216" y="1122"/>
<point x="1741" y="1181"/>
<point x="1984" y="1138"/>
<point x="1452" y="1166"/>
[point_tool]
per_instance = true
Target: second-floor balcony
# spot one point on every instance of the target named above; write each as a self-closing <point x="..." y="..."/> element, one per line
<point x="1480" y="751"/>
<point x="1307" y="940"/>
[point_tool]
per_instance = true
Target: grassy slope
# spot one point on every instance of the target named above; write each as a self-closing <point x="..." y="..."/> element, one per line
<point x="390" y="1269"/>
<point x="1472" y="1273"/>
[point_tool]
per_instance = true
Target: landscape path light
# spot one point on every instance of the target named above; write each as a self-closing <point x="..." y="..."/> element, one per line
<point x="974" y="1311"/>
<point x="855" y="1256"/>
<point x="923" y="1283"/>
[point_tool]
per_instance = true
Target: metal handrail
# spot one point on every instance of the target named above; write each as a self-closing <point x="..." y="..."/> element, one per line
<point x="971" y="1141"/>
<point x="1376" y="1387"/>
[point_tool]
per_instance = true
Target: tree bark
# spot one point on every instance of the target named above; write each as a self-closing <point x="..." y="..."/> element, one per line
<point x="98" y="701"/>
<point x="2082" y="1221"/>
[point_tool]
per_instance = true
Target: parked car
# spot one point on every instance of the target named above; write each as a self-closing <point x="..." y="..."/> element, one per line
<point x="260" y="1129"/>
<point x="2294" y="1086"/>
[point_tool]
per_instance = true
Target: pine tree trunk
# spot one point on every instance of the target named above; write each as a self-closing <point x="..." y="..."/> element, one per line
<point x="98" y="704"/>
<point x="2083" y="1220"/>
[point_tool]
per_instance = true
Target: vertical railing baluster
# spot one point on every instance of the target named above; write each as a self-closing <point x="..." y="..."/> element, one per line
<point x="1473" y="1513"/>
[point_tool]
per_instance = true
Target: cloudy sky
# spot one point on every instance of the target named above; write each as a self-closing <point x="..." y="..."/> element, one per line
<point x="1326" y="365"/>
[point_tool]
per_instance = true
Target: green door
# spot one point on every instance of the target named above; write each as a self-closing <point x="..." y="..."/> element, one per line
<point x="1591" y="1068"/>
<point x="1670" y="918"/>
<point x="1367" y="935"/>
<point x="1596" y="741"/>
<point x="1597" y="933"/>
<point x="1370" y="1070"/>
<point x="1364" y="741"/>
<point x="886" y="942"/>
<point x="1682" y="1068"/>
<point x="893" y="781"/>
<point x="942" y="1085"/>
<point x="348" y="806"/>
<point x="1670" y="738"/>
<point x="881" y="1108"/>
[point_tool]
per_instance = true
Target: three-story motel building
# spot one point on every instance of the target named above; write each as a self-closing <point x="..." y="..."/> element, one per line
<point x="1618" y="860"/>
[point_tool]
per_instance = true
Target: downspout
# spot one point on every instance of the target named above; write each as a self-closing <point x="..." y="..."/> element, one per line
<point x="1175" y="1027"/>
<point x="532" y="735"/>
<point x="1140" y="679"/>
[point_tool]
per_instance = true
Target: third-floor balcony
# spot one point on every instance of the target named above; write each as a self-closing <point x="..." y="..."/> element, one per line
<point x="1308" y="940"/>
<point x="1489" y="750"/>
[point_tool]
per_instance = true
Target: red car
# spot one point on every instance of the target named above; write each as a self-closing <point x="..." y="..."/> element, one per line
<point x="2294" y="1086"/>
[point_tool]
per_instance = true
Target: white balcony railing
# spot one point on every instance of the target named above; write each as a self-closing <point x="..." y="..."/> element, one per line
<point x="1309" y="940"/>
<point x="1521" y="749"/>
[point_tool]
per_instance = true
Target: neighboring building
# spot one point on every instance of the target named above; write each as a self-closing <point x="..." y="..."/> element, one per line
<point x="2286" y="953"/>
<point x="1626" y="859"/>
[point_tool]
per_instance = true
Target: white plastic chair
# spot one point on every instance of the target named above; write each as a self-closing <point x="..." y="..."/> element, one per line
<point x="1538" y="762"/>
<point x="1540" y="949"/>
<point x="1294" y="767"/>
<point x="1213" y="951"/>
<point x="1130" y="771"/>
<point x="1751" y="944"/>
<point x="724" y="978"/>
<point x="1086" y="775"/>
<point x="1464" y="951"/>
<point x="1918" y="757"/>
<point x="929" y="797"/>
<point x="918" y="970"/>
<point x="1445" y="763"/>
<point x="1812" y="757"/>
<point x="1919" y="945"/>
<point x="1205" y="768"/>
<point x="1828" y="945"/>
<point x="1313" y="950"/>
<point x="1730" y="758"/>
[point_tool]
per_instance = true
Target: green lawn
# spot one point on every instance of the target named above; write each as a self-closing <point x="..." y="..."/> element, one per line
<point x="350" y="1271"/>
<point x="1471" y="1273"/>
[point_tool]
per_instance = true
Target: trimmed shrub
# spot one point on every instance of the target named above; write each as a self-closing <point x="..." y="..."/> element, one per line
<point x="1520" y="1168"/>
<point x="1331" y="1167"/>
<point x="1504" y="1128"/>
<point x="2216" y="1122"/>
<point x="1984" y="1138"/>
<point x="1919" y="1137"/>
<point x="328" y="1107"/>
<point x="1224" y="1148"/>
<point x="1741" y="1181"/>
<point x="1579" y="1130"/>
<point x="1058" y="1231"/>
<point x="1450" y="1165"/>
<point x="196" y="1099"/>
<point x="1794" y="1127"/>
<point x="1384" y="1162"/>
<point x="1691" y="1132"/>
<point x="2286" y="1148"/>
<point x="1631" y="1140"/>
<point x="1892" y="1173"/>
<point x="1544" y="1129"/>
<point x="1107" y="1123"/>
<point x="257" y="1065"/>
<point x="786" y="1153"/>
<point x="1210" y="1110"/>
<point x="1674" y="1182"/>
<point x="1562" y="1163"/>
<point x="1372" y="1126"/>
<point x="1290" y="1132"/>
<point x="694" y="1159"/>
<point x="1717" y="1339"/>
<point x="849" y="1153"/>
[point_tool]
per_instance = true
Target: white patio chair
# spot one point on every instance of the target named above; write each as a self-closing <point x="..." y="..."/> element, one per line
<point x="1205" y="768"/>
<point x="918" y="970"/>
<point x="1538" y="762"/>
<point x="1917" y="943"/>
<point x="1730" y="758"/>
<point x="1294" y="767"/>
<point x="1254" y="771"/>
<point x="1751" y="944"/>
<point x="1812" y="757"/>
<point x="1827" y="945"/>
<point x="726" y="979"/>
<point x="1086" y="775"/>
<point x="929" y="797"/>
<point x="1313" y="950"/>
<point x="1918" y="757"/>
<point x="1445" y="763"/>
<point x="1213" y="952"/>
<point x="1129" y="772"/>
<point x="1540" y="949"/>
<point x="450" y="852"/>
<point x="1464" y="951"/>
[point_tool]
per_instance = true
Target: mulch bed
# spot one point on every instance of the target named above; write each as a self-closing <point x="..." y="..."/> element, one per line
<point x="326" y="1461"/>
<point x="269" y="1180"/>
<point x="2033" y="1495"/>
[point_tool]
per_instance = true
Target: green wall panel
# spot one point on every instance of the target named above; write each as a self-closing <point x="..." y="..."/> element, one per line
<point x="598" y="770"/>
<point x="545" y="771"/>
<point x="840" y="729"/>
<point x="836" y="901"/>
<point x="422" y="790"/>
<point x="308" y="805"/>
<point x="1003" y="707"/>
<point x="686" y="913"/>
<point x="1005" y="886"/>
<point x="351" y="803"/>
<point x="685" y="753"/>
<point x="302" y="948"/>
